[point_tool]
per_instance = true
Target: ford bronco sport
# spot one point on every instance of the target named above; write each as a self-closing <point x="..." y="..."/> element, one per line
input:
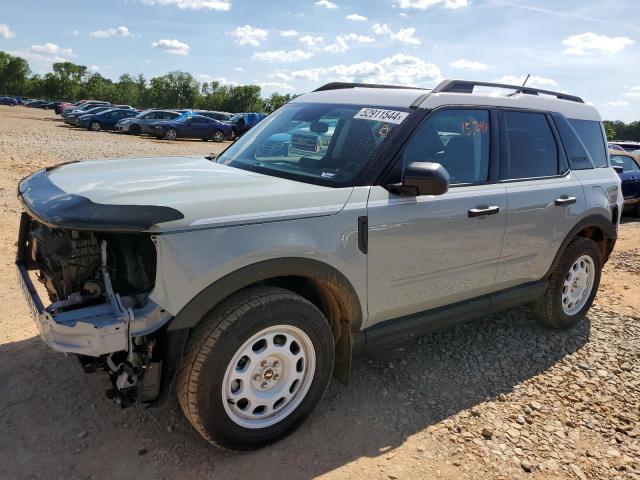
<point x="243" y="282"/>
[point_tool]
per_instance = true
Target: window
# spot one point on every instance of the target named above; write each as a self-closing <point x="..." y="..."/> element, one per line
<point x="456" y="139"/>
<point x="590" y="133"/>
<point x="627" y="163"/>
<point x="532" y="148"/>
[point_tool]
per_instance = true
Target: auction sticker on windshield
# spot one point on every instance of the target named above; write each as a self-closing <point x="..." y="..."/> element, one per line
<point x="380" y="115"/>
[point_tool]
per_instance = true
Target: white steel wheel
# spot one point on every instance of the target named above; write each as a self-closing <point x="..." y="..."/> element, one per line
<point x="578" y="284"/>
<point x="268" y="376"/>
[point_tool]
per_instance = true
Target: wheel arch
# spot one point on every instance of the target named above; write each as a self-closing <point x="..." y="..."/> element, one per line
<point x="595" y="227"/>
<point x="321" y="284"/>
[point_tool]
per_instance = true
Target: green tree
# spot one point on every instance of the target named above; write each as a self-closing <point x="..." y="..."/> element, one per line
<point x="14" y="74"/>
<point x="69" y="77"/>
<point x="275" y="101"/>
<point x="610" y="131"/>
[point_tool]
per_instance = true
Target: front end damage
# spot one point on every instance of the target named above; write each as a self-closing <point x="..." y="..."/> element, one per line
<point x="97" y="284"/>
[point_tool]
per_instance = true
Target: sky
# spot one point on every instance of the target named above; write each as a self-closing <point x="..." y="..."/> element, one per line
<point x="586" y="48"/>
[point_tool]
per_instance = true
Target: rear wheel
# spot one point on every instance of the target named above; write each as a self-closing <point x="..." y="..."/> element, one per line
<point x="573" y="285"/>
<point x="134" y="130"/>
<point x="218" y="136"/>
<point x="255" y="368"/>
<point x="95" y="126"/>
<point x="171" y="134"/>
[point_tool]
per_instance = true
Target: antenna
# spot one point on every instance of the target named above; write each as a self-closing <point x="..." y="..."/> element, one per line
<point x="515" y="92"/>
<point x="526" y="79"/>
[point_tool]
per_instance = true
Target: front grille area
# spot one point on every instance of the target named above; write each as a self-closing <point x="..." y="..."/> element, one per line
<point x="305" y="142"/>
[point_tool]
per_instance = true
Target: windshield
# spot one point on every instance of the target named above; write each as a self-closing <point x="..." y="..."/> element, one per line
<point x="327" y="144"/>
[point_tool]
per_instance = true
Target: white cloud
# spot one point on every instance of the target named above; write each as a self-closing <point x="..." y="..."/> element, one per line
<point x="282" y="55"/>
<point x="617" y="104"/>
<point x="536" y="82"/>
<point x="404" y="35"/>
<point x="277" y="86"/>
<point x="342" y="42"/>
<point x="203" y="77"/>
<point x="6" y="32"/>
<point x="51" y="49"/>
<point x="325" y="4"/>
<point x="356" y="18"/>
<point x="464" y="64"/>
<point x="94" y="68"/>
<point x="589" y="42"/>
<point x="399" y="69"/>
<point x="120" y="31"/>
<point x="281" y="76"/>
<point x="74" y="33"/>
<point x="220" y="5"/>
<point x="239" y="69"/>
<point x="311" y="41"/>
<point x="289" y="33"/>
<point x="45" y="55"/>
<point x="633" y="92"/>
<point x="175" y="47"/>
<point x="424" y="4"/>
<point x="249" y="35"/>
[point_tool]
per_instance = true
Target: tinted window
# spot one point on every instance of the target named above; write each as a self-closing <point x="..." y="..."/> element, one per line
<point x="200" y="119"/>
<point x="532" y="148"/>
<point x="579" y="158"/>
<point x="625" y="162"/>
<point x="456" y="139"/>
<point x="590" y="133"/>
<point x="171" y="115"/>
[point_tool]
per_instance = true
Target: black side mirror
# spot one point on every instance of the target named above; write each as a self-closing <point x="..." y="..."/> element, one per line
<point x="618" y="169"/>
<point x="422" y="178"/>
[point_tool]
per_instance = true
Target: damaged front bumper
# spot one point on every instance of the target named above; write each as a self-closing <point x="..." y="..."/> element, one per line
<point x="93" y="330"/>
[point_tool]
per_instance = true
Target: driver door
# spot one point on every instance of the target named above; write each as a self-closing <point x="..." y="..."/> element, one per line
<point x="429" y="251"/>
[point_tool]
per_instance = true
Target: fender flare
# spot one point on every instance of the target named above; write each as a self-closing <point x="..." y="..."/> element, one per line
<point x="319" y="272"/>
<point x="597" y="221"/>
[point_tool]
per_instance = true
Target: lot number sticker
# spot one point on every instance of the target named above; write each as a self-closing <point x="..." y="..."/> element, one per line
<point x="379" y="115"/>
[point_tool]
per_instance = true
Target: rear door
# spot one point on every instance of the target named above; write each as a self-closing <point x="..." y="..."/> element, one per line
<point x="428" y="251"/>
<point x="630" y="176"/>
<point x="545" y="198"/>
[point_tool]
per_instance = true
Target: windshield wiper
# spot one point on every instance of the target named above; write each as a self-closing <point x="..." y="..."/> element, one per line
<point x="212" y="156"/>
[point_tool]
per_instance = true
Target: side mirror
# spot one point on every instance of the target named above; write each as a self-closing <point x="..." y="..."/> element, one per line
<point x="618" y="169"/>
<point x="422" y="178"/>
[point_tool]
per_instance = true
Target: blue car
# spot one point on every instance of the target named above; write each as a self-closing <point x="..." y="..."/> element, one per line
<point x="243" y="122"/>
<point x="628" y="167"/>
<point x="8" y="101"/>
<point x="105" y="120"/>
<point x="189" y="125"/>
<point x="71" y="118"/>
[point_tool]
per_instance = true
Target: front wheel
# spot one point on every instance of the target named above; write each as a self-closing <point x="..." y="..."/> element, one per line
<point x="255" y="368"/>
<point x="135" y="130"/>
<point x="95" y="126"/>
<point x="573" y="285"/>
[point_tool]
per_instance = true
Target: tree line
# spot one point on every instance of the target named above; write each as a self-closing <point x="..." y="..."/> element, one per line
<point x="69" y="81"/>
<point x="622" y="131"/>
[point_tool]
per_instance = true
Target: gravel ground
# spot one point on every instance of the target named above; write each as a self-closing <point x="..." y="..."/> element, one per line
<point x="500" y="398"/>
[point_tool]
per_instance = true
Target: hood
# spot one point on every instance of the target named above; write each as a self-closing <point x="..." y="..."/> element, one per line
<point x="168" y="194"/>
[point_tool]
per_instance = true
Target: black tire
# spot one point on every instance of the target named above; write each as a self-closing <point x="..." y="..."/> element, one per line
<point x="95" y="126"/>
<point x="171" y="134"/>
<point x="218" y="338"/>
<point x="549" y="309"/>
<point x="135" y="130"/>
<point x="218" y="136"/>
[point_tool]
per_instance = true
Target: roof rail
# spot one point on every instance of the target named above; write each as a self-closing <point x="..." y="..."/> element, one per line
<point x="467" y="86"/>
<point x="343" y="85"/>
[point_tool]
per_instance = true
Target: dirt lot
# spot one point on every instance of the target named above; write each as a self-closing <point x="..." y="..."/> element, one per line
<point x="499" y="398"/>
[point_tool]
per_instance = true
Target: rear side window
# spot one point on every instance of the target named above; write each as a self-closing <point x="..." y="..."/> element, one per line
<point x="533" y="151"/>
<point x="625" y="162"/>
<point x="456" y="139"/>
<point x="590" y="133"/>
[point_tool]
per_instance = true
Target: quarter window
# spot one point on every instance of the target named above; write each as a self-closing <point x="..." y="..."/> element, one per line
<point x="590" y="133"/>
<point x="532" y="148"/>
<point x="456" y="139"/>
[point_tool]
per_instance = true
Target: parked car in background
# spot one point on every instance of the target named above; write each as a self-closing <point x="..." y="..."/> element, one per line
<point x="303" y="138"/>
<point x="223" y="116"/>
<point x="192" y="126"/>
<point x="60" y="106"/>
<point x="243" y="122"/>
<point x="628" y="167"/>
<point x="36" y="103"/>
<point x="138" y="124"/>
<point x="8" y="101"/>
<point x="49" y="105"/>
<point x="105" y="120"/>
<point x="85" y="106"/>
<point x="71" y="118"/>
<point x="627" y="146"/>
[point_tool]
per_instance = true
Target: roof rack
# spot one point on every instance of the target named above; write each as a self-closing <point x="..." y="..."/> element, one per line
<point x="467" y="86"/>
<point x="343" y="85"/>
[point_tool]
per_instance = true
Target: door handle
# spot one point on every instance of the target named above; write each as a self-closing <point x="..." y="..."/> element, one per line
<point x="564" y="200"/>
<point x="482" y="210"/>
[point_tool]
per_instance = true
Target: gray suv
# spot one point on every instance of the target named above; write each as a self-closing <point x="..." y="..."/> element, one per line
<point x="245" y="281"/>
